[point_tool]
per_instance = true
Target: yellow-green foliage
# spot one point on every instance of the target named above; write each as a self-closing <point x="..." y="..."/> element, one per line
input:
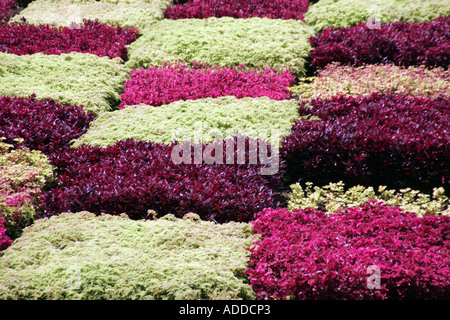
<point x="206" y="119"/>
<point x="334" y="196"/>
<point x="140" y="13"/>
<point x="335" y="80"/>
<point x="82" y="256"/>
<point x="255" y="42"/>
<point x="23" y="174"/>
<point x="345" y="13"/>
<point x="73" y="79"/>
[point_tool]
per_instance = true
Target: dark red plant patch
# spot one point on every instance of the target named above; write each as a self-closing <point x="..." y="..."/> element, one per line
<point x="369" y="252"/>
<point x="392" y="140"/>
<point x="273" y="9"/>
<point x="8" y="8"/>
<point x="133" y="177"/>
<point x="44" y="125"/>
<point x="400" y="43"/>
<point x="91" y="37"/>
<point x="5" y="241"/>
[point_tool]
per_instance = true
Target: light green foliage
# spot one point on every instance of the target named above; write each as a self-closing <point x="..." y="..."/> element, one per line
<point x="334" y="196"/>
<point x="82" y="256"/>
<point x="335" y="80"/>
<point x="140" y="14"/>
<point x="73" y="79"/>
<point x="206" y="119"/>
<point x="255" y="42"/>
<point x="23" y="174"/>
<point x="345" y="13"/>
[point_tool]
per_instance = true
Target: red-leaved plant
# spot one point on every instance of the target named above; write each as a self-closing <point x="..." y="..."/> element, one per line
<point x="273" y="9"/>
<point x="91" y="37"/>
<point x="369" y="252"/>
<point x="160" y="85"/>
<point x="381" y="139"/>
<point x="43" y="125"/>
<point x="133" y="177"/>
<point x="7" y="9"/>
<point x="400" y="43"/>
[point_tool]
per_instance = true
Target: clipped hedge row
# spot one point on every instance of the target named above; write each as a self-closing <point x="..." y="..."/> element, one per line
<point x="43" y="125"/>
<point x="347" y="13"/>
<point x="82" y="79"/>
<point x="91" y="37"/>
<point x="136" y="176"/>
<point x="335" y="196"/>
<point x="254" y="42"/>
<point x="307" y="254"/>
<point x="140" y="14"/>
<point x="336" y="79"/>
<point x="80" y="256"/>
<point x="273" y="9"/>
<point x="162" y="85"/>
<point x="207" y="120"/>
<point x="392" y="140"/>
<point x="400" y="43"/>
<point x="23" y="174"/>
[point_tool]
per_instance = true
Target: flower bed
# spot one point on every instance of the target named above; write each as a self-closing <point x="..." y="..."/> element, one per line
<point x="156" y="86"/>
<point x="400" y="43"/>
<point x="253" y="42"/>
<point x="392" y="140"/>
<point x="273" y="9"/>
<point x="82" y="79"/>
<point x="307" y="254"/>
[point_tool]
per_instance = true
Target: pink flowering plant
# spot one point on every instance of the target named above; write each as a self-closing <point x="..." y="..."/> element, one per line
<point x="164" y="84"/>
<point x="373" y="251"/>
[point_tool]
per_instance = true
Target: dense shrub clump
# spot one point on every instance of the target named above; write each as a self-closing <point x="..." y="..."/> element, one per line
<point x="225" y="42"/>
<point x="335" y="196"/>
<point x="307" y="254"/>
<point x="91" y="37"/>
<point x="400" y="43"/>
<point x="156" y="86"/>
<point x="80" y="256"/>
<point x="202" y="120"/>
<point x="336" y="79"/>
<point x="273" y="9"/>
<point x="347" y="13"/>
<point x="133" y="177"/>
<point x="43" y="125"/>
<point x="392" y="140"/>
<point x="75" y="78"/>
<point x="23" y="175"/>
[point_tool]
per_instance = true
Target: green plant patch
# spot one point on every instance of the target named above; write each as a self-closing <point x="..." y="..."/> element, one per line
<point x="82" y="256"/>
<point x="255" y="43"/>
<point x="335" y="196"/>
<point x="140" y="14"/>
<point x="207" y="120"/>
<point x="74" y="79"/>
<point x="336" y="80"/>
<point x="346" y="13"/>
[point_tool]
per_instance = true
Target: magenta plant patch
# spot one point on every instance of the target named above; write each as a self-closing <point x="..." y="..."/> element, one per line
<point x="369" y="252"/>
<point x="44" y="125"/>
<point x="381" y="139"/>
<point x="400" y="43"/>
<point x="7" y="10"/>
<point x="5" y="241"/>
<point x="160" y="85"/>
<point x="273" y="9"/>
<point x="92" y="37"/>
